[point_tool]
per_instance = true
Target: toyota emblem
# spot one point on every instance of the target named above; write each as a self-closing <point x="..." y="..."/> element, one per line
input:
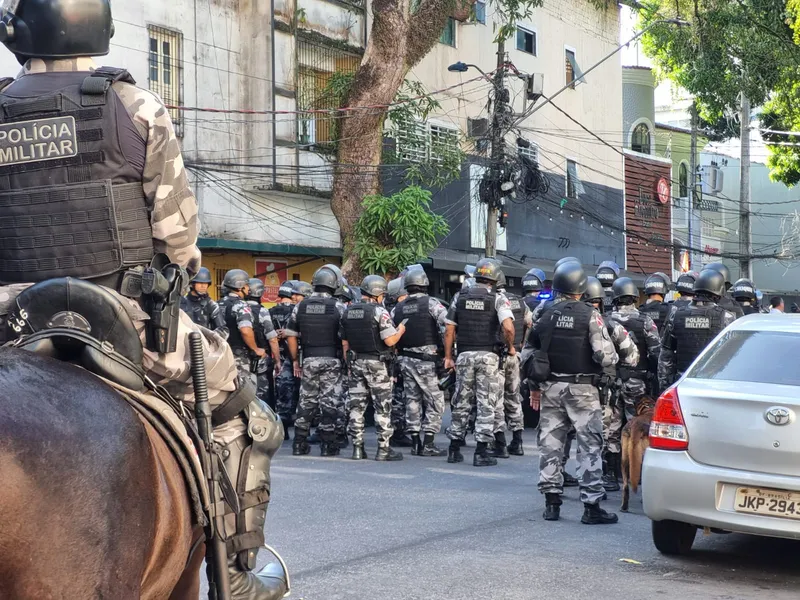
<point x="778" y="415"/>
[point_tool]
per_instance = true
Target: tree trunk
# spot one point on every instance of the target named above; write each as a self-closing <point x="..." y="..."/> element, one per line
<point x="394" y="46"/>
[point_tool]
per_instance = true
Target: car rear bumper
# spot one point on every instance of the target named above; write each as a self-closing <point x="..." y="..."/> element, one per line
<point x="677" y="488"/>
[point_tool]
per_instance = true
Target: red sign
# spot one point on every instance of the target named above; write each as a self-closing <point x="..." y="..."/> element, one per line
<point x="662" y="190"/>
<point x="711" y="250"/>
<point x="272" y="273"/>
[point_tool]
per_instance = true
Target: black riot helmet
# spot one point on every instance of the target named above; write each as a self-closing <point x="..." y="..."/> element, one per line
<point x="685" y="283"/>
<point x="416" y="279"/>
<point x="624" y="288"/>
<point x="302" y="288"/>
<point x="744" y="289"/>
<point x="235" y="279"/>
<point x="327" y="279"/>
<point x="396" y="288"/>
<point x="607" y="273"/>
<point x="287" y="289"/>
<point x="256" y="289"/>
<point x="656" y="284"/>
<point x="594" y="290"/>
<point x="203" y="276"/>
<point x="710" y="282"/>
<point x="565" y="260"/>
<point x="533" y="281"/>
<point x="570" y="279"/>
<point x="487" y="269"/>
<point x="374" y="286"/>
<point x="501" y="280"/>
<point x="53" y="29"/>
<point x="721" y="269"/>
<point x="344" y="293"/>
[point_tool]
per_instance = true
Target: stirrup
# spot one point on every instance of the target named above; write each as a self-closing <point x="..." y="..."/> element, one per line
<point x="282" y="563"/>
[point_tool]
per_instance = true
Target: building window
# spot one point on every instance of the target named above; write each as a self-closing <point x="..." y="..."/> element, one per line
<point x="166" y="70"/>
<point x="531" y="153"/>
<point x="317" y="66"/>
<point x="683" y="181"/>
<point x="448" y="36"/>
<point x="571" y="66"/>
<point x="526" y="40"/>
<point x="480" y="11"/>
<point x="419" y="141"/>
<point x="640" y="141"/>
<point x="443" y="142"/>
<point x="572" y="180"/>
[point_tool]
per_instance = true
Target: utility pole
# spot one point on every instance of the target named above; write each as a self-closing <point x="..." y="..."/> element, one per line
<point x="498" y="150"/>
<point x="745" y="240"/>
<point x="692" y="188"/>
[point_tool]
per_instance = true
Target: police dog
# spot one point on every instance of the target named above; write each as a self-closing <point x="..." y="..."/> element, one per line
<point x="635" y="440"/>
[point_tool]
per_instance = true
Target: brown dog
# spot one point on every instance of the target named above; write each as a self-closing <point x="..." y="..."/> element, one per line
<point x="635" y="440"/>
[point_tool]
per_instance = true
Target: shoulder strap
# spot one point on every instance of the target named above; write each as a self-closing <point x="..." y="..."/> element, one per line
<point x="95" y="87"/>
<point x="5" y="82"/>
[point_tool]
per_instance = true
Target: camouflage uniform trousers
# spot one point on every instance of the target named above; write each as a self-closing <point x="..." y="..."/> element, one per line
<point x="264" y="379"/>
<point x="342" y="407"/>
<point x="508" y="411"/>
<point x="399" y="402"/>
<point x="284" y="392"/>
<point x="422" y="394"/>
<point x="564" y="405"/>
<point x="319" y="391"/>
<point x="370" y="378"/>
<point x="478" y="385"/>
<point x="612" y="426"/>
<point x="632" y="392"/>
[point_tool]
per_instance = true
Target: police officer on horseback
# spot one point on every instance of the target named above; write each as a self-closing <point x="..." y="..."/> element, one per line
<point x="105" y="199"/>
<point x="199" y="305"/>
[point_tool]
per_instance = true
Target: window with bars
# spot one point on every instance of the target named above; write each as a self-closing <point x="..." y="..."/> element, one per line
<point x="165" y="76"/>
<point x="318" y="68"/>
<point x="640" y="141"/>
<point x="531" y="153"/>
<point x="419" y="141"/>
<point x="444" y="141"/>
<point x="448" y="36"/>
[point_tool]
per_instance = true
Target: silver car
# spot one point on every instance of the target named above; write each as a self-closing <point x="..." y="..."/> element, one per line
<point x="725" y="440"/>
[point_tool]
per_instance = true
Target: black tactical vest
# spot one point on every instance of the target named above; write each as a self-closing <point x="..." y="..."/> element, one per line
<point x="280" y="315"/>
<point x="318" y="322"/>
<point x="199" y="308"/>
<point x="235" y="339"/>
<point x="258" y="328"/>
<point x="518" y="310"/>
<point x="71" y="167"/>
<point x="748" y="309"/>
<point x="532" y="301"/>
<point x="421" y="329"/>
<point x="731" y="306"/>
<point x="694" y="327"/>
<point x="570" y="350"/>
<point x="362" y="330"/>
<point x="658" y="311"/>
<point x="477" y="320"/>
<point x="634" y="325"/>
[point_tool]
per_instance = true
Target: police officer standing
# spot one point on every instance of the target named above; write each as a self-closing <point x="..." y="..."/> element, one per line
<point x="284" y="380"/>
<point x="532" y="286"/>
<point x="239" y="319"/>
<point x="726" y="301"/>
<point x="509" y="402"/>
<point x="690" y="329"/>
<point x="656" y="287"/>
<point x="368" y="335"/>
<point x="420" y="350"/>
<point x="266" y="367"/>
<point x="685" y="287"/>
<point x="580" y="351"/>
<point x="480" y="314"/>
<point x="396" y="293"/>
<point x="744" y="293"/>
<point x="607" y="273"/>
<point x="199" y="305"/>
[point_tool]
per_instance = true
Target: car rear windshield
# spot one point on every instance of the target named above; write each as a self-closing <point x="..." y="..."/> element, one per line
<point x="757" y="356"/>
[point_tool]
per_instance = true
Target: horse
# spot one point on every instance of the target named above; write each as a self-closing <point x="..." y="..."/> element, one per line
<point x="94" y="503"/>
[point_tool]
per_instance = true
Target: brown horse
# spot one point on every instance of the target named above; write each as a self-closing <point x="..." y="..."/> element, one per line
<point x="93" y="503"/>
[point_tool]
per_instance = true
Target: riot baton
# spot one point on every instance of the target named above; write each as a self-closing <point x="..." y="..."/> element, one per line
<point x="216" y="550"/>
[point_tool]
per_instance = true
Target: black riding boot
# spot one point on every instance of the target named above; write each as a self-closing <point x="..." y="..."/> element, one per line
<point x="454" y="452"/>
<point x="268" y="584"/>
<point x="500" y="450"/>
<point x="515" y="447"/>
<point x="482" y="457"/>
<point x="429" y="448"/>
<point x="552" y="507"/>
<point x="416" y="445"/>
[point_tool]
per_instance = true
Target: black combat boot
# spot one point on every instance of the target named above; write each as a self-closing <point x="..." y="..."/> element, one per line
<point x="594" y="515"/>
<point x="610" y="481"/>
<point x="515" y="447"/>
<point x="454" y="452"/>
<point x="342" y="440"/>
<point x="286" y="424"/>
<point x="416" y="445"/>
<point x="429" y="448"/>
<point x="358" y="452"/>
<point x="481" y="457"/>
<point x="400" y="440"/>
<point x="552" y="507"/>
<point x="329" y="447"/>
<point x="387" y="453"/>
<point x="300" y="445"/>
<point x="500" y="450"/>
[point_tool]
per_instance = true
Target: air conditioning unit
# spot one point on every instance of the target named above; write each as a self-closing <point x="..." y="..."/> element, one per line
<point x="713" y="179"/>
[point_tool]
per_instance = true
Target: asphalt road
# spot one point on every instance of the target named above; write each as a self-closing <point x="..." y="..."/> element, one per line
<point x="421" y="529"/>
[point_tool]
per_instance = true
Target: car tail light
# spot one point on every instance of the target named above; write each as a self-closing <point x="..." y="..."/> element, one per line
<point x="668" y="429"/>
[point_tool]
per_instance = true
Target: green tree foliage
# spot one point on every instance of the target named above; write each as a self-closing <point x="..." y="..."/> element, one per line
<point x="397" y="230"/>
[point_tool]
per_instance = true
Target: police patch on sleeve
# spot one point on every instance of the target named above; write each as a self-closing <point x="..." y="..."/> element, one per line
<point x="38" y="140"/>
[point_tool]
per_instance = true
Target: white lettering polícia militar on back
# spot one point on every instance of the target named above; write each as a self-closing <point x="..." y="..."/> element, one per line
<point x="697" y="323"/>
<point x="38" y="140"/>
<point x="475" y="305"/>
<point x="565" y="322"/>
